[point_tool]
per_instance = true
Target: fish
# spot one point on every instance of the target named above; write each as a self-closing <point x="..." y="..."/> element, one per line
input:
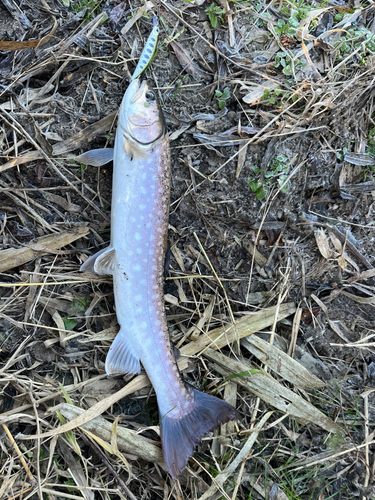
<point x="135" y="259"/>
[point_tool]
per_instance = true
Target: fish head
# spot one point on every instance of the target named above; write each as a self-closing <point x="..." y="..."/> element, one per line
<point x="140" y="114"/>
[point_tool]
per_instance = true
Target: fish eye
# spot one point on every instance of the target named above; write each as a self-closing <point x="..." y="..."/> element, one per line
<point x="150" y="96"/>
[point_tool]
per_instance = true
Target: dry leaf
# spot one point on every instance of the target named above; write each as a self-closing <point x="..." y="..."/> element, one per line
<point x="342" y="262"/>
<point x="322" y="242"/>
<point x="187" y="62"/>
<point x="257" y="93"/>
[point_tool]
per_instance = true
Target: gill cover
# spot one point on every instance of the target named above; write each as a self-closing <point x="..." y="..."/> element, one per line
<point x="140" y="119"/>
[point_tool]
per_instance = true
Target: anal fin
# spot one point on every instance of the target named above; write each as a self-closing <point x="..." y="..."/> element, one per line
<point x="102" y="262"/>
<point x="121" y="357"/>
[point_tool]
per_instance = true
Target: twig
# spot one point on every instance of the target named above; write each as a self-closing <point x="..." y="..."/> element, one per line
<point x="20" y="454"/>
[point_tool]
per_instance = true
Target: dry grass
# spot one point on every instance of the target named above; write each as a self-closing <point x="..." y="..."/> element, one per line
<point x="270" y="296"/>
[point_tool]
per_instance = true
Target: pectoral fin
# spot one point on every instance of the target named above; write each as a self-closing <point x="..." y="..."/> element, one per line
<point x="96" y="157"/>
<point x="102" y="262"/>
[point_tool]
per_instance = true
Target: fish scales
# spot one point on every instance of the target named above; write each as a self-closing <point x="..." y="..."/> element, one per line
<point x="135" y="258"/>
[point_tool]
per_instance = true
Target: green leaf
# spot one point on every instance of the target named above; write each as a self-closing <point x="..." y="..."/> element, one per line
<point x="221" y="104"/>
<point x="218" y="93"/>
<point x="226" y="93"/>
<point x="287" y="70"/>
<point x="260" y="194"/>
<point x="254" y="186"/>
<point x="69" y="323"/>
<point x="79" y="304"/>
<point x="272" y="100"/>
<point x="266" y="93"/>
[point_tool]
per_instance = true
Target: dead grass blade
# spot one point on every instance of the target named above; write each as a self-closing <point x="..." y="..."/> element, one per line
<point x="219" y="480"/>
<point x="281" y="363"/>
<point x="270" y="391"/>
<point x="217" y="338"/>
<point x="222" y="336"/>
<point x="127" y="440"/>
<point x="14" y="257"/>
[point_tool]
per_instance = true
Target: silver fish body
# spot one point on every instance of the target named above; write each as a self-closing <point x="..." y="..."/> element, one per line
<point x="135" y="258"/>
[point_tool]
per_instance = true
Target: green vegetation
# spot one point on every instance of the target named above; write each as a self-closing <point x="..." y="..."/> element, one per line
<point x="288" y="27"/>
<point x="214" y="13"/>
<point x="262" y="181"/>
<point x="278" y="96"/>
<point x="356" y="38"/>
<point x="222" y="97"/>
<point x="284" y="61"/>
<point x="91" y="6"/>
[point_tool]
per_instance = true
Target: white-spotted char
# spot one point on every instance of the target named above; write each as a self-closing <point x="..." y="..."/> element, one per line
<point x="135" y="258"/>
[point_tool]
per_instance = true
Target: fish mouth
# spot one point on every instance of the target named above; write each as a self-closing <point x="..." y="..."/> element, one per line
<point x="144" y="117"/>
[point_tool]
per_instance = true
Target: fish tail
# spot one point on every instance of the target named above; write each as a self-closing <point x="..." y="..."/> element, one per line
<point x="180" y="435"/>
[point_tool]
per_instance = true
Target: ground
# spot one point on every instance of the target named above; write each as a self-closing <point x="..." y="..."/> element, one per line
<point x="269" y="110"/>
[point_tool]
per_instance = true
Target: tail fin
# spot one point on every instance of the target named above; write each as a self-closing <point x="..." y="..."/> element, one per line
<point x="180" y="436"/>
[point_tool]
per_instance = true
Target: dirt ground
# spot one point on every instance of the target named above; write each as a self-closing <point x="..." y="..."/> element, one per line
<point x="269" y="109"/>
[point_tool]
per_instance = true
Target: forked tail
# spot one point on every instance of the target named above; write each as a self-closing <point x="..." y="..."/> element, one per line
<point x="180" y="435"/>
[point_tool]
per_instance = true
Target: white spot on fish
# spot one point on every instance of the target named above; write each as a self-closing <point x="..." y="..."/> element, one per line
<point x="138" y="298"/>
<point x="142" y="206"/>
<point x="143" y="190"/>
<point x="138" y="251"/>
<point x="137" y="267"/>
<point x="143" y="325"/>
<point x="138" y="236"/>
<point x="143" y="282"/>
